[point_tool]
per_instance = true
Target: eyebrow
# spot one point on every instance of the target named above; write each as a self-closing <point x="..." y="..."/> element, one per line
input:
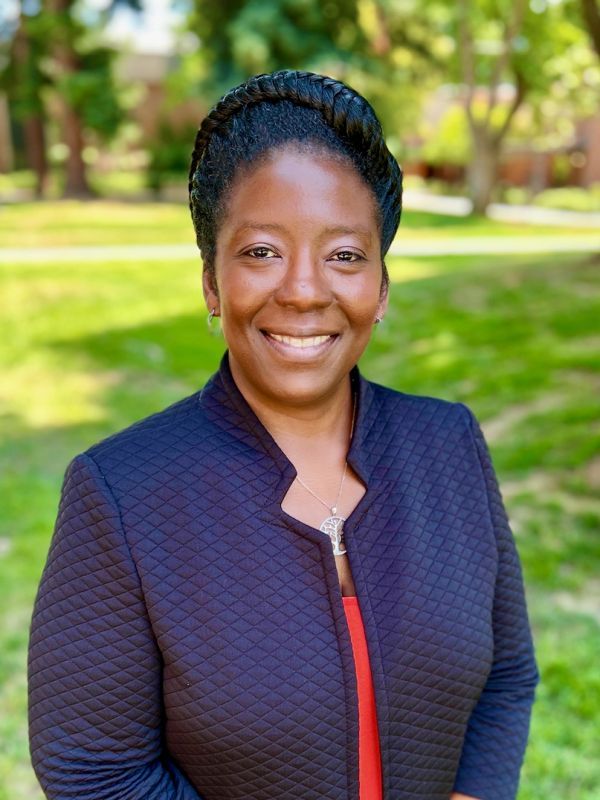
<point x="331" y="230"/>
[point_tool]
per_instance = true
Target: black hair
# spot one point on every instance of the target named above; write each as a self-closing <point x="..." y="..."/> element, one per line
<point x="268" y="111"/>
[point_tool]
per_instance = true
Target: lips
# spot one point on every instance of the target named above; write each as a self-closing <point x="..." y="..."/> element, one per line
<point x="288" y="342"/>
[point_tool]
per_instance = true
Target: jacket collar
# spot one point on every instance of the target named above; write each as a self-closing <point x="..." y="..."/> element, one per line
<point x="226" y="406"/>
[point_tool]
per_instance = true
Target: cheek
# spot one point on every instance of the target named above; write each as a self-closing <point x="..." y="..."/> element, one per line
<point x="362" y="302"/>
<point x="241" y="295"/>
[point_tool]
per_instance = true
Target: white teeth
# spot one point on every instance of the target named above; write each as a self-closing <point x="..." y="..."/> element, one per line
<point x="296" y="341"/>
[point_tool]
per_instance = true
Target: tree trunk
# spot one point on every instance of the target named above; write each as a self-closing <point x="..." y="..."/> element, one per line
<point x="34" y="130"/>
<point x="35" y="146"/>
<point x="76" y="184"/>
<point x="482" y="169"/>
<point x="487" y="142"/>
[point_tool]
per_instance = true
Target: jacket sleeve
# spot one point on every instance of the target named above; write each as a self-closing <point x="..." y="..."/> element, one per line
<point x="498" y="729"/>
<point x="94" y="668"/>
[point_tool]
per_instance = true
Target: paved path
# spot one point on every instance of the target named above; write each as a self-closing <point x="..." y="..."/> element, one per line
<point x="131" y="252"/>
<point x="419" y="200"/>
<point x="495" y="245"/>
<point x="413" y="248"/>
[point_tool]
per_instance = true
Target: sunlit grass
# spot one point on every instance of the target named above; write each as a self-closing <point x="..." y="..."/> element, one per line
<point x="116" y="222"/>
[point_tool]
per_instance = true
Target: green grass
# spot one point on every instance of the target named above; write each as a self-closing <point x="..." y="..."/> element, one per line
<point x="91" y="348"/>
<point x="96" y="222"/>
<point x="118" y="222"/>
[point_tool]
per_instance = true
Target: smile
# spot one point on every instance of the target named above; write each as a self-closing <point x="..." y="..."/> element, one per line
<point x="300" y="341"/>
<point x="310" y="344"/>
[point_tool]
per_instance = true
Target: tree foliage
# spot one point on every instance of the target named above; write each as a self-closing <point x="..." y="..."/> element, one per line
<point x="23" y="79"/>
<point x="590" y="12"/>
<point x="243" y="37"/>
<point x="396" y="52"/>
<point x="535" y="47"/>
<point x="384" y="49"/>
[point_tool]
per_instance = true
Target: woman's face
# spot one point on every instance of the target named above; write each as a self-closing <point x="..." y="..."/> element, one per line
<point x="298" y="277"/>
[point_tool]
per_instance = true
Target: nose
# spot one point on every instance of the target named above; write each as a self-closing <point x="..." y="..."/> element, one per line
<point x="304" y="284"/>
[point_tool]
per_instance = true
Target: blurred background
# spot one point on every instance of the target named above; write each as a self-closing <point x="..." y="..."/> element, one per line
<point x="493" y="110"/>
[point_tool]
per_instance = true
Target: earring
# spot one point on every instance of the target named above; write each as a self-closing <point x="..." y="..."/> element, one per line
<point x="378" y="320"/>
<point x="211" y="316"/>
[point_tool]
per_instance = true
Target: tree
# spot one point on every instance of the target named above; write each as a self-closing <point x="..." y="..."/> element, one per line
<point x="486" y="137"/>
<point x="23" y="81"/>
<point x="82" y="76"/>
<point x="242" y="37"/>
<point x="534" y="48"/>
<point x="67" y="66"/>
<point x="591" y="16"/>
<point x="506" y="55"/>
<point x="56" y="61"/>
<point x="379" y="48"/>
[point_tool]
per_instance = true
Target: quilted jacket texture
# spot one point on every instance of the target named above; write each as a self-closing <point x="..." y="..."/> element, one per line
<point x="189" y="638"/>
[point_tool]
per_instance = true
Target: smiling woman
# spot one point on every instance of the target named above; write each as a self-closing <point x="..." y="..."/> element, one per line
<point x="297" y="293"/>
<point x="294" y="583"/>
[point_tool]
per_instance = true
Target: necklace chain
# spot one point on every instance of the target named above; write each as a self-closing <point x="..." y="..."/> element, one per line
<point x="334" y="507"/>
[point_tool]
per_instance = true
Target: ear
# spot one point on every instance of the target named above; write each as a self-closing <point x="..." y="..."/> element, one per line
<point x="383" y="302"/>
<point x="211" y="296"/>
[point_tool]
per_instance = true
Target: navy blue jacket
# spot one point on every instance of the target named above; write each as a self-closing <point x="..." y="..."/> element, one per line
<point x="189" y="638"/>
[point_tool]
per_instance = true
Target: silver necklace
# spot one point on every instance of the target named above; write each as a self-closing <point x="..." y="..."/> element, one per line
<point x="333" y="526"/>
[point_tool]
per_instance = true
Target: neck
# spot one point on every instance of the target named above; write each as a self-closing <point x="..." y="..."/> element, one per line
<point x="296" y="429"/>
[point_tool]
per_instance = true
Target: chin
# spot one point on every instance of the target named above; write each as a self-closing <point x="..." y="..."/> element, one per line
<point x="303" y="389"/>
<point x="289" y="384"/>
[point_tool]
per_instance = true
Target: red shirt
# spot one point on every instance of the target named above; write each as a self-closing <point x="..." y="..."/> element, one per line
<point x="369" y="758"/>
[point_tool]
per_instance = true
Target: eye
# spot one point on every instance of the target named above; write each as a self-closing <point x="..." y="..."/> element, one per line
<point x="261" y="251"/>
<point x="347" y="255"/>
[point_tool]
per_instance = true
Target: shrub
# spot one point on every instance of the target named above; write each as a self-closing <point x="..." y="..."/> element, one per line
<point x="572" y="198"/>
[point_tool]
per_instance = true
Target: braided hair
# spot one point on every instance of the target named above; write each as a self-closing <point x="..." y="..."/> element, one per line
<point x="268" y="111"/>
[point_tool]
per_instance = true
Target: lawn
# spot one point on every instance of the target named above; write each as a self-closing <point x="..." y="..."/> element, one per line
<point x="111" y="222"/>
<point x="92" y="348"/>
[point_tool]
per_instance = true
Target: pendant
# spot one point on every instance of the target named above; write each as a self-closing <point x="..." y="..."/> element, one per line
<point x="334" y="528"/>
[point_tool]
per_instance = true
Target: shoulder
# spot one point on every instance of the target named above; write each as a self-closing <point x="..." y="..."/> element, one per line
<point x="411" y="426"/>
<point x="421" y="411"/>
<point x="153" y="441"/>
<point x="440" y="438"/>
<point x="448" y="434"/>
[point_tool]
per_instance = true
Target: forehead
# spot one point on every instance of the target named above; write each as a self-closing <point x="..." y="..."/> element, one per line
<point x="292" y="186"/>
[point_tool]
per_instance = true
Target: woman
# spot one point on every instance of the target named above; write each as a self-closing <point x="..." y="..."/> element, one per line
<point x="294" y="583"/>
